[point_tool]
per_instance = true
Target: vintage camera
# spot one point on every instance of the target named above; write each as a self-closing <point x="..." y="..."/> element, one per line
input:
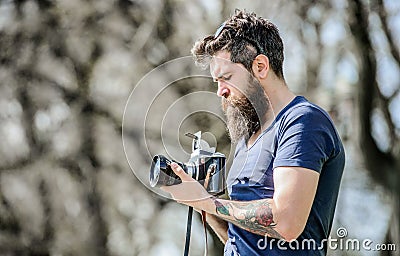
<point x="205" y="165"/>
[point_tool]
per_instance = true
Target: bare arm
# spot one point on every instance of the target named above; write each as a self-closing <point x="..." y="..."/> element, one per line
<point x="254" y="216"/>
<point x="284" y="216"/>
<point x="219" y="226"/>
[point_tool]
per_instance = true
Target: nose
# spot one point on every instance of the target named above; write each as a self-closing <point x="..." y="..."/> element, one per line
<point x="223" y="89"/>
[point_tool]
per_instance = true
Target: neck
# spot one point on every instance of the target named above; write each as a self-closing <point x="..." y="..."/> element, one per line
<point x="278" y="94"/>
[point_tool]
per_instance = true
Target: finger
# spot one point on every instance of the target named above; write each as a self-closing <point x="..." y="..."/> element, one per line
<point x="180" y="172"/>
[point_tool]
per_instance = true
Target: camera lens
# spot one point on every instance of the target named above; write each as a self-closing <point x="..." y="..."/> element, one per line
<point x="155" y="172"/>
<point x="209" y="171"/>
<point x="161" y="173"/>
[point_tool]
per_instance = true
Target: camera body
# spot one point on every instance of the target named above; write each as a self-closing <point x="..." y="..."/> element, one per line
<point x="205" y="165"/>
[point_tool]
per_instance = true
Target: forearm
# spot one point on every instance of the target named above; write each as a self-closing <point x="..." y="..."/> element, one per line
<point x="219" y="226"/>
<point x="253" y="216"/>
<point x="284" y="217"/>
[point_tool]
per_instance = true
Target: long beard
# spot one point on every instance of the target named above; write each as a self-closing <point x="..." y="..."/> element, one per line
<point x="246" y="114"/>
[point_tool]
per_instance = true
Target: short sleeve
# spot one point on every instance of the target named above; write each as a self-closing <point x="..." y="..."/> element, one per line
<point x="304" y="139"/>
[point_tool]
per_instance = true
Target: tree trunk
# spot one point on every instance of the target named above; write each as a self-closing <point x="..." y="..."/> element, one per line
<point x="382" y="166"/>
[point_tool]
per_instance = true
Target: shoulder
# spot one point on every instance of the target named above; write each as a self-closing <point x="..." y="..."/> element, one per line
<point x="304" y="123"/>
<point x="306" y="115"/>
<point x="306" y="137"/>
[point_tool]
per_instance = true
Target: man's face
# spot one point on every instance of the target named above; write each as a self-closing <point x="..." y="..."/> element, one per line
<point x="243" y="98"/>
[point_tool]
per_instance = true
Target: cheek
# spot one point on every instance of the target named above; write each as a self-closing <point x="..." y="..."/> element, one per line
<point x="238" y="88"/>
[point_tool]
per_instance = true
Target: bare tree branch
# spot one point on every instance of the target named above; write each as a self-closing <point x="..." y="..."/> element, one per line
<point x="313" y="58"/>
<point x="394" y="50"/>
<point x="384" y="107"/>
<point x="385" y="26"/>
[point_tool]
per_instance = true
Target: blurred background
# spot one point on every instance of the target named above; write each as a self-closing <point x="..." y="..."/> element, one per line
<point x="70" y="69"/>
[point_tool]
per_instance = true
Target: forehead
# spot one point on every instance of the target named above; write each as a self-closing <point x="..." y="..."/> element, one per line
<point x="221" y="63"/>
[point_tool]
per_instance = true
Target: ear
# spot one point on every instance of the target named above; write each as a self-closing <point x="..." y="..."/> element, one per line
<point x="261" y="66"/>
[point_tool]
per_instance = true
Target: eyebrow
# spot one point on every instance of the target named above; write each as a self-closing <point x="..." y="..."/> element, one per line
<point x="222" y="75"/>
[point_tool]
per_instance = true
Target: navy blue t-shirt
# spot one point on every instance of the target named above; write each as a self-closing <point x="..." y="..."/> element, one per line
<point x="301" y="135"/>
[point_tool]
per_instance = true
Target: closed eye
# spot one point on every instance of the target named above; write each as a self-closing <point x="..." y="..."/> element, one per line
<point x="224" y="78"/>
<point x="227" y="78"/>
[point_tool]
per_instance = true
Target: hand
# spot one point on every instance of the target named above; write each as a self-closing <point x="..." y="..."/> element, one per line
<point x="189" y="192"/>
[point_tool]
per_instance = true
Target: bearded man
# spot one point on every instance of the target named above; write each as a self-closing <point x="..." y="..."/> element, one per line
<point x="285" y="177"/>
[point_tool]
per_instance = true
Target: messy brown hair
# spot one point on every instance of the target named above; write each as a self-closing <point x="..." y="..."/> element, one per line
<point x="244" y="36"/>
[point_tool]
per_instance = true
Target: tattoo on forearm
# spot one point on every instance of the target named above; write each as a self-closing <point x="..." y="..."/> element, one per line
<point x="220" y="208"/>
<point x="254" y="216"/>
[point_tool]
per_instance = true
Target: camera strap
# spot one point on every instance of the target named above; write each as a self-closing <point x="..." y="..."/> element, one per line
<point x="188" y="230"/>
<point x="204" y="220"/>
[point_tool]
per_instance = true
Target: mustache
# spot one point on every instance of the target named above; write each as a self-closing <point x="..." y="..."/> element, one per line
<point x="236" y="102"/>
